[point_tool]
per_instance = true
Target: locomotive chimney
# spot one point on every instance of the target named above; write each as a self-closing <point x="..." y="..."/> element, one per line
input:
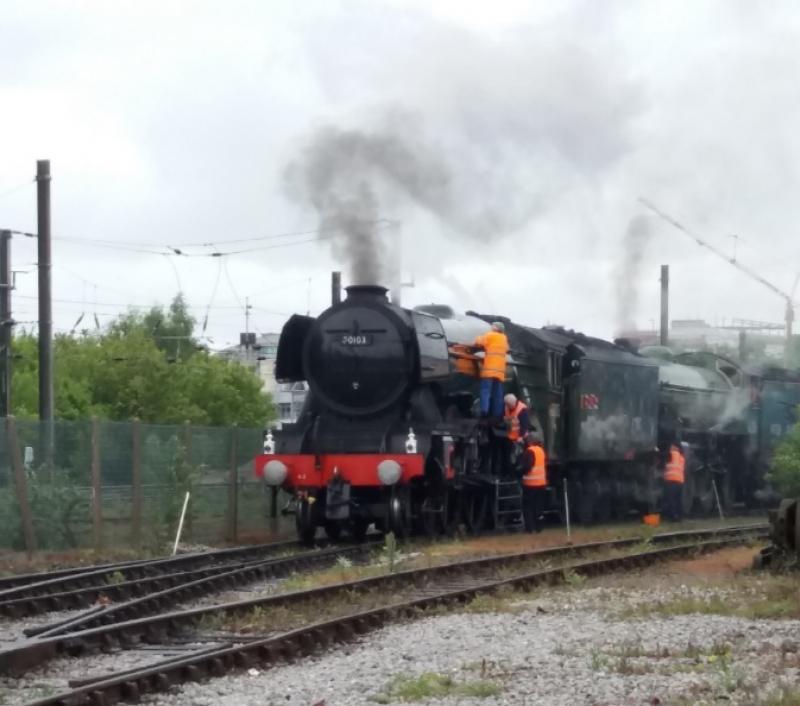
<point x="366" y="292"/>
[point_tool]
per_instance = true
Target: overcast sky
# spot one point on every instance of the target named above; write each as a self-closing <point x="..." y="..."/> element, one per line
<point x="172" y="123"/>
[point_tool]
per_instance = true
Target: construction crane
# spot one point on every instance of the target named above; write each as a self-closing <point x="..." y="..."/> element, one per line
<point x="788" y="298"/>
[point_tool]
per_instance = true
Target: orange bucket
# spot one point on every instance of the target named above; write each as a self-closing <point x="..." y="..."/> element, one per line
<point x="654" y="520"/>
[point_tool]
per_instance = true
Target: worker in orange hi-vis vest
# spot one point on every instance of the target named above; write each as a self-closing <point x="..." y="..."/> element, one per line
<point x="674" y="477"/>
<point x="493" y="370"/>
<point x="533" y="465"/>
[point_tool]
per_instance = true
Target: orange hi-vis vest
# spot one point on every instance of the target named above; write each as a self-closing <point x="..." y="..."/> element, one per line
<point x="674" y="471"/>
<point x="495" y="344"/>
<point x="536" y="477"/>
<point x="512" y="419"/>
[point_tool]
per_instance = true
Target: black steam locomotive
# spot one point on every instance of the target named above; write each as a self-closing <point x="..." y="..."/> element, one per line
<point x="390" y="433"/>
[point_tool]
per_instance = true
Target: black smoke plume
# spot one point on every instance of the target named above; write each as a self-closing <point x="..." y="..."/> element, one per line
<point x="634" y="246"/>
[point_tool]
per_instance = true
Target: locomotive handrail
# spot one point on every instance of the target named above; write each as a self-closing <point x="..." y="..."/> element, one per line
<point x="683" y="388"/>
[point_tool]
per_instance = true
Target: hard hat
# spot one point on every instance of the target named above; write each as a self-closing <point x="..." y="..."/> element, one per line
<point x="510" y="400"/>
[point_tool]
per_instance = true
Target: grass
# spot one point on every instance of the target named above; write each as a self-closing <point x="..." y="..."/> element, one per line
<point x="785" y="696"/>
<point x="340" y="573"/>
<point x="385" y="561"/>
<point x="504" y="600"/>
<point x="32" y="693"/>
<point x="573" y="579"/>
<point x="634" y="658"/>
<point x="782" y="696"/>
<point x="432" y="685"/>
<point x="115" y="579"/>
<point x="747" y="596"/>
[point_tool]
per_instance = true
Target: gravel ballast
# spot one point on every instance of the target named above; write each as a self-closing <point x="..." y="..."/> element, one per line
<point x="579" y="651"/>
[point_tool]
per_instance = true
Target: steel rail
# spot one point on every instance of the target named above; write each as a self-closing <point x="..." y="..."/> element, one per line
<point x="67" y="579"/>
<point x="209" y="582"/>
<point x="22" y="657"/>
<point x="98" y="618"/>
<point x="17" y="580"/>
<point x="114" y="592"/>
<point x="307" y="640"/>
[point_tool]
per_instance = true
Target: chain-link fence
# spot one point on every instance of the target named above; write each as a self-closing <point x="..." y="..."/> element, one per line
<point x="123" y="484"/>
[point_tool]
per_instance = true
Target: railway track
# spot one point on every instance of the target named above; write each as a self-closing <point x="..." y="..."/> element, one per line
<point x="66" y="589"/>
<point x="216" y="580"/>
<point x="48" y="582"/>
<point x="17" y="580"/>
<point x="409" y="591"/>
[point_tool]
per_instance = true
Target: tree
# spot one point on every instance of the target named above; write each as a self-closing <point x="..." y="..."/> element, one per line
<point x="146" y="366"/>
<point x="794" y="352"/>
<point x="786" y="464"/>
<point x="171" y="330"/>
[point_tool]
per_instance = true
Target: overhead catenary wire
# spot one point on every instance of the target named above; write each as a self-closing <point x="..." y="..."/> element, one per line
<point x="213" y="293"/>
<point x="210" y="305"/>
<point x="151" y="306"/>
<point x="176" y="249"/>
<point x="293" y="238"/>
<point x="177" y="276"/>
<point x="19" y="187"/>
<point x="217" y="242"/>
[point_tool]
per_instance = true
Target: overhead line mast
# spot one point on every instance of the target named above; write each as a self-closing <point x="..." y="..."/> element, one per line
<point x="788" y="298"/>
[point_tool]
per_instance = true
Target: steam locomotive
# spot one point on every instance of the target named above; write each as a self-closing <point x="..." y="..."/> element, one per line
<point x="390" y="433"/>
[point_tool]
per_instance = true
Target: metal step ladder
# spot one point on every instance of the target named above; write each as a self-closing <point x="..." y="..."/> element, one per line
<point x="507" y="505"/>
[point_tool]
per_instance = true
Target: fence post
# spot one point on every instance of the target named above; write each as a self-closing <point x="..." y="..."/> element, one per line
<point x="187" y="446"/>
<point x="136" y="485"/>
<point x="21" y="486"/>
<point x="233" y="488"/>
<point x="97" y="489"/>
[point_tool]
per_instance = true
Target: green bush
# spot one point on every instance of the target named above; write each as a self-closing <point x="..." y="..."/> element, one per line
<point x="785" y="474"/>
<point x="166" y="467"/>
<point x="60" y="512"/>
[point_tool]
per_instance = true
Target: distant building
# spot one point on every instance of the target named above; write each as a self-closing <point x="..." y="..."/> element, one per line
<point x="696" y="334"/>
<point x="260" y="355"/>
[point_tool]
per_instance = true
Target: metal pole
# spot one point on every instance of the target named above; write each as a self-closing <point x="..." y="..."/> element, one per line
<point x="742" y="346"/>
<point x="396" y="267"/>
<point x="566" y="509"/>
<point x="664" y="305"/>
<point x="45" y="305"/>
<point x="180" y="524"/>
<point x="5" y="322"/>
<point x="789" y="320"/>
<point x="716" y="496"/>
<point x="336" y="288"/>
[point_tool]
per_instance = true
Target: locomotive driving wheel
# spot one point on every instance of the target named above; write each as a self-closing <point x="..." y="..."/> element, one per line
<point x="333" y="530"/>
<point x="688" y="493"/>
<point x="473" y="510"/>
<point x="588" y="492"/>
<point x="305" y="521"/>
<point x="398" y="512"/>
<point x="602" y="500"/>
<point x="358" y="528"/>
<point x="432" y="514"/>
<point x="702" y="488"/>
